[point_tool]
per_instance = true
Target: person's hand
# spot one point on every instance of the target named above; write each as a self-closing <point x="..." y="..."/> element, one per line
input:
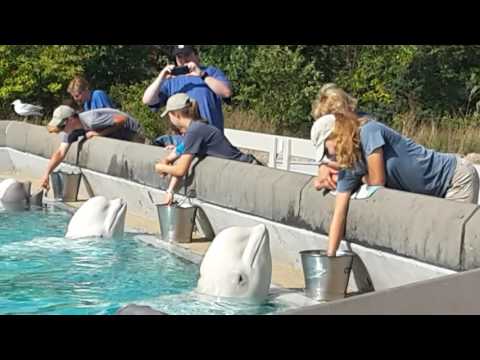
<point x="170" y="147"/>
<point x="327" y="178"/>
<point x="91" y="134"/>
<point x="194" y="69"/>
<point x="167" y="72"/>
<point x="45" y="182"/>
<point x="169" y="198"/>
<point x="331" y="253"/>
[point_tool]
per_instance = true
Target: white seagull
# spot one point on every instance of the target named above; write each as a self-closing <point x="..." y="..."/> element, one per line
<point x="27" y="109"/>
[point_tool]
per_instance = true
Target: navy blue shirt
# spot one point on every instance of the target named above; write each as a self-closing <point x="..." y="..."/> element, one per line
<point x="210" y="104"/>
<point x="205" y="140"/>
<point x="408" y="166"/>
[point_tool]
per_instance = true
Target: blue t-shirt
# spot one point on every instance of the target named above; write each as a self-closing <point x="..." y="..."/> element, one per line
<point x="99" y="100"/>
<point x="210" y="104"/>
<point x="408" y="166"/>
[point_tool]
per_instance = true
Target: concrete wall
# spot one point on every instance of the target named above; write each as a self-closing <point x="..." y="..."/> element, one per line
<point x="450" y="295"/>
<point x="371" y="267"/>
<point x="3" y="132"/>
<point x="418" y="227"/>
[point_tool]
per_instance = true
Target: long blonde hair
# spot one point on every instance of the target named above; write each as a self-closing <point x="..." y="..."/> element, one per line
<point x="347" y="135"/>
<point x="332" y="99"/>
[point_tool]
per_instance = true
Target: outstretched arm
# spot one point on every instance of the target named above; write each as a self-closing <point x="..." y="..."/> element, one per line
<point x="339" y="221"/>
<point x="56" y="159"/>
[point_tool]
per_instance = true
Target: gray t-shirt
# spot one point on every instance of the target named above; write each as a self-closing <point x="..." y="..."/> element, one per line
<point x="206" y="140"/>
<point x="100" y="119"/>
<point x="408" y="166"/>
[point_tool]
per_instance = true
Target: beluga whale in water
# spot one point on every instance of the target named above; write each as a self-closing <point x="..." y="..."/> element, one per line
<point x="238" y="265"/>
<point x="98" y="217"/>
<point x="15" y="195"/>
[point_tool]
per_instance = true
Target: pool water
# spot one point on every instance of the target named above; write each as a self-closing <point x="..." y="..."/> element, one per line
<point x="43" y="273"/>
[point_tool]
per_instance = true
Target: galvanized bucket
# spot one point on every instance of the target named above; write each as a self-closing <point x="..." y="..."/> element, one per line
<point x="65" y="186"/>
<point x="177" y="222"/>
<point x="326" y="278"/>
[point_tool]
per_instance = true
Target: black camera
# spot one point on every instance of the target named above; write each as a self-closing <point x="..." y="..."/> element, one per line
<point x="180" y="70"/>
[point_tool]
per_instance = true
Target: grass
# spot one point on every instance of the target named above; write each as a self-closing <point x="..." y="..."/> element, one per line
<point x="449" y="134"/>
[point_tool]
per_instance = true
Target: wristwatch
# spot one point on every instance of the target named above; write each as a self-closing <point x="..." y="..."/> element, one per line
<point x="204" y="75"/>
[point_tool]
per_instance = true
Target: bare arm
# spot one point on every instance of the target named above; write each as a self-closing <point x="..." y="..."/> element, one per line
<point x="56" y="159"/>
<point x="221" y="88"/>
<point x="376" y="169"/>
<point x="339" y="221"/>
<point x="327" y="178"/>
<point x="119" y="121"/>
<point x="152" y="93"/>
<point x="180" y="169"/>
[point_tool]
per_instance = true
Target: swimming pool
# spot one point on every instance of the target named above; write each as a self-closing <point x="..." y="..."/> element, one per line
<point x="43" y="273"/>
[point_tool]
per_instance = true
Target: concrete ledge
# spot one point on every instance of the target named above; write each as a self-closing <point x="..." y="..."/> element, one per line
<point x="450" y="295"/>
<point x="5" y="161"/>
<point x="268" y="193"/>
<point x="3" y="132"/>
<point x="423" y="228"/>
<point x="471" y="250"/>
<point x="129" y="161"/>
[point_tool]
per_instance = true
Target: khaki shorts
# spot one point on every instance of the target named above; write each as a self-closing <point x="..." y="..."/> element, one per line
<point x="465" y="183"/>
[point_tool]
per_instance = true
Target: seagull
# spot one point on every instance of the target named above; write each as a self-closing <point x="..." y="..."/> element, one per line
<point x="27" y="109"/>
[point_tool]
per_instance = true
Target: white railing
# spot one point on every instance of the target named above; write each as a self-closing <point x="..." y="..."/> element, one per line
<point x="285" y="153"/>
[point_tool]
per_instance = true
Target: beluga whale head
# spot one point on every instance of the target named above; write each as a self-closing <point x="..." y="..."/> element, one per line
<point x="98" y="217"/>
<point x="238" y="265"/>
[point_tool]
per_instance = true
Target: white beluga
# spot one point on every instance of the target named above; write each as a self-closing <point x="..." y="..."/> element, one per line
<point x="98" y="218"/>
<point x="15" y="195"/>
<point x="27" y="109"/>
<point x="238" y="265"/>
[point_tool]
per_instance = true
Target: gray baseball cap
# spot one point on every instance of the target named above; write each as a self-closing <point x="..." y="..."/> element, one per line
<point x="60" y="116"/>
<point x="177" y="102"/>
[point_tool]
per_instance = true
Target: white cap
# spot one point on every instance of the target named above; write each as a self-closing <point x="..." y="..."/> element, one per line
<point x="321" y="130"/>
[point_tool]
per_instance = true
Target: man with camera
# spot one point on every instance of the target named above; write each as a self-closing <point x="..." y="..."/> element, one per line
<point x="205" y="84"/>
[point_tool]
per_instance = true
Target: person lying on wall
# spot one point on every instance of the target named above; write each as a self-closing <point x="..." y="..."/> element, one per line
<point x="72" y="126"/>
<point x="331" y="99"/>
<point x="369" y="151"/>
<point x="200" y="139"/>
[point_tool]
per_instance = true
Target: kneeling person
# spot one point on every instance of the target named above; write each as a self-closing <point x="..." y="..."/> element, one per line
<point x="72" y="125"/>
<point x="200" y="139"/>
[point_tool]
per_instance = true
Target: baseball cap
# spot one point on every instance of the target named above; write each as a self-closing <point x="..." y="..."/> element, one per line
<point x="177" y="102"/>
<point x="321" y="130"/>
<point x="183" y="50"/>
<point x="60" y="116"/>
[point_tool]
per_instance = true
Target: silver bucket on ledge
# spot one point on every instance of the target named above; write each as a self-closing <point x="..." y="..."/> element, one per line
<point x="65" y="185"/>
<point x="326" y="278"/>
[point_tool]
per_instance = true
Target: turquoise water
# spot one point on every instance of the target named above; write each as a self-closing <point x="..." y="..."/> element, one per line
<point x="43" y="273"/>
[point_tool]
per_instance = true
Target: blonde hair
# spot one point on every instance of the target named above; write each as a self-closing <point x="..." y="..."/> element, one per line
<point x="347" y="135"/>
<point x="78" y="84"/>
<point x="332" y="99"/>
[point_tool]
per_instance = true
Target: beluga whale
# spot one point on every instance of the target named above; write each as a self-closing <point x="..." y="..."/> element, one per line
<point x="98" y="218"/>
<point x="238" y="265"/>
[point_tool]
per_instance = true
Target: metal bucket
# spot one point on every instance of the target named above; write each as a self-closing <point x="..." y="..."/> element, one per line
<point x="326" y="278"/>
<point x="66" y="186"/>
<point x="177" y="222"/>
